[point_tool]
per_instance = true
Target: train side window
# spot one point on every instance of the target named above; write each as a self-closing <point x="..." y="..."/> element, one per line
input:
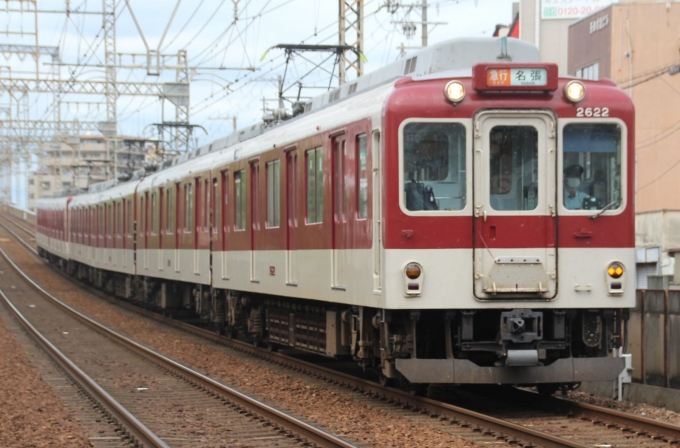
<point x="273" y="194"/>
<point x="169" y="215"/>
<point x="207" y="208"/>
<point x="240" y="203"/>
<point x="188" y="207"/>
<point x="120" y="217"/>
<point x="362" y="176"/>
<point x="224" y="206"/>
<point x="255" y="195"/>
<point x="213" y="205"/>
<point x="314" y="163"/>
<point x="591" y="148"/>
<point x="434" y="166"/>
<point x="154" y="213"/>
<point x="131" y="218"/>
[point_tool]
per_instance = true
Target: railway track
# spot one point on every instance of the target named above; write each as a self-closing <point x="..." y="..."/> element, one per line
<point x="536" y="421"/>
<point x="153" y="397"/>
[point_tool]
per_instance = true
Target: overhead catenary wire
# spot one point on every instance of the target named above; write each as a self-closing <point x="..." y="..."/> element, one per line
<point x="193" y="14"/>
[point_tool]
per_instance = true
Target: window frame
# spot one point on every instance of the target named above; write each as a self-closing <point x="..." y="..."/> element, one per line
<point x="273" y="188"/>
<point x="358" y="178"/>
<point x="467" y="124"/>
<point x="318" y="175"/>
<point x="561" y="124"/>
<point x="188" y="206"/>
<point x="240" y="200"/>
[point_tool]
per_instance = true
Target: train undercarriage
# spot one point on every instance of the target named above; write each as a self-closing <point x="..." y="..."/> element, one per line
<point x="551" y="348"/>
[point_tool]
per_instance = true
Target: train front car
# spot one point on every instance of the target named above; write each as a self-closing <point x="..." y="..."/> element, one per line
<point x="508" y="227"/>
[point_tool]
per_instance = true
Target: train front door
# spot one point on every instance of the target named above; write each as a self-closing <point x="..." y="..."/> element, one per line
<point x="515" y="245"/>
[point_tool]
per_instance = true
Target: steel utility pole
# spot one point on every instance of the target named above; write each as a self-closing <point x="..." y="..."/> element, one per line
<point x="408" y="26"/>
<point x="424" y="27"/>
<point x="110" y="128"/>
<point x="351" y="33"/>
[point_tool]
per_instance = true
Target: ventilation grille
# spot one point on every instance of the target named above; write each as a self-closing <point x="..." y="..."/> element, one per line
<point x="410" y="65"/>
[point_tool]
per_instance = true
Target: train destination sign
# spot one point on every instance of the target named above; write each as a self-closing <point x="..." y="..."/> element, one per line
<point x="521" y="76"/>
<point x="541" y="77"/>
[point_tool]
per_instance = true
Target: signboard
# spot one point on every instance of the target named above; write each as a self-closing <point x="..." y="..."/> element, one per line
<point x="571" y="9"/>
<point x="509" y="77"/>
<point x="520" y="76"/>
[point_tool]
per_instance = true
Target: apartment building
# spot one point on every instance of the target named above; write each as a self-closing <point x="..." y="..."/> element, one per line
<point x="80" y="162"/>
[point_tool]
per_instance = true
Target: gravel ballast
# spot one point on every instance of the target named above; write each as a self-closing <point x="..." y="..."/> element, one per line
<point x="31" y="415"/>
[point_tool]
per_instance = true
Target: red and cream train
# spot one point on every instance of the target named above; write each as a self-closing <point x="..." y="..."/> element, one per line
<point x="461" y="216"/>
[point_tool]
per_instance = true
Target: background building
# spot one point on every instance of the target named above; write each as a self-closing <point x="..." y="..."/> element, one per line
<point x="81" y="162"/>
<point x="546" y="24"/>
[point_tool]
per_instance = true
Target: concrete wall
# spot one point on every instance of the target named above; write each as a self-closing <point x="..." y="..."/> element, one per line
<point x="13" y="210"/>
<point x="654" y="338"/>
<point x="658" y="229"/>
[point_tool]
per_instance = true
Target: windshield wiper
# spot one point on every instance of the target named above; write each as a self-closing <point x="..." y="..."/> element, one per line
<point x="605" y="208"/>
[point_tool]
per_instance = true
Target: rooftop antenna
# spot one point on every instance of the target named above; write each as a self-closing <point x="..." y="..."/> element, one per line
<point x="504" y="50"/>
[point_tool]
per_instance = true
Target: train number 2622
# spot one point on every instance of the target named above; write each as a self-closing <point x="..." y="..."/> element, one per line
<point x="592" y="111"/>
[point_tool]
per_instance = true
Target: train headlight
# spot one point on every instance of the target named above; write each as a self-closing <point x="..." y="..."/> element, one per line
<point x="454" y="91"/>
<point x="413" y="270"/>
<point x="575" y="91"/>
<point x="615" y="270"/>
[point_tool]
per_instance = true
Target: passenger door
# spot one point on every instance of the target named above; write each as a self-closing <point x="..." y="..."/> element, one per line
<point x="291" y="217"/>
<point x="340" y="212"/>
<point x="515" y="245"/>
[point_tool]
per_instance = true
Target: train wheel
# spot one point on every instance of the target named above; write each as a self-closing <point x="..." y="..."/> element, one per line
<point x="272" y="347"/>
<point x="547" y="389"/>
<point x="385" y="381"/>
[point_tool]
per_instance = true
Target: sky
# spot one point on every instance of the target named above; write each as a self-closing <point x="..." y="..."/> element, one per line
<point x="217" y="33"/>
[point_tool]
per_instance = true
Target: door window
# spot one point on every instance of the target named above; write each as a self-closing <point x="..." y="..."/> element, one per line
<point x="513" y="168"/>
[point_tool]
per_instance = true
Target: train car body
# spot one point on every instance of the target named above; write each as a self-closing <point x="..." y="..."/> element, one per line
<point x="52" y="222"/>
<point x="462" y="216"/>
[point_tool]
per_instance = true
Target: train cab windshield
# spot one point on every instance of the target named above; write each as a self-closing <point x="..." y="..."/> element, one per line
<point x="591" y="166"/>
<point x="434" y="166"/>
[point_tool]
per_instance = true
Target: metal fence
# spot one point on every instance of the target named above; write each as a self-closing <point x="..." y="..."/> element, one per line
<point x="654" y="337"/>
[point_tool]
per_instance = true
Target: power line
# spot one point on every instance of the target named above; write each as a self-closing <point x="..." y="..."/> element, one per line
<point x="659" y="177"/>
<point x="184" y="26"/>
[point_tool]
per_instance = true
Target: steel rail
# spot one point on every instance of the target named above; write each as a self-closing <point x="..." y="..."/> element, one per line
<point x="504" y="430"/>
<point x="302" y="430"/>
<point x="13" y="221"/>
<point x="21" y="240"/>
<point x="137" y="429"/>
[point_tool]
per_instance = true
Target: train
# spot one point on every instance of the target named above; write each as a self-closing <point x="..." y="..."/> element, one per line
<point x="464" y="215"/>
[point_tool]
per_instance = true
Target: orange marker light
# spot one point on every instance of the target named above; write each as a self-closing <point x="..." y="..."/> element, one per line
<point x="413" y="271"/>
<point x="615" y="270"/>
